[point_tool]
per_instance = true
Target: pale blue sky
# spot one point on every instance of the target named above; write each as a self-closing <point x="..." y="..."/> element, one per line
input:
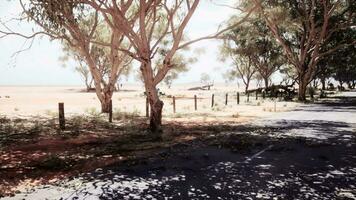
<point x="40" y="64"/>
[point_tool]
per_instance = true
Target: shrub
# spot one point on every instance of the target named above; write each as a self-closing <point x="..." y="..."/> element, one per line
<point x="120" y="115"/>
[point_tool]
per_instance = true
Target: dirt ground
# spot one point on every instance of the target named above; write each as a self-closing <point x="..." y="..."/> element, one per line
<point x="304" y="152"/>
<point x="29" y="102"/>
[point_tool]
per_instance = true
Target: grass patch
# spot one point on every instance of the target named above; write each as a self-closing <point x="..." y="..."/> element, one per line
<point x="121" y="115"/>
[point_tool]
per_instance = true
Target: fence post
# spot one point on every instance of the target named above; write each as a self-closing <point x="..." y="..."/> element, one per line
<point x="212" y="100"/>
<point x="248" y="96"/>
<point x="195" y="102"/>
<point x="110" y="112"/>
<point x="174" y="104"/>
<point x="256" y="94"/>
<point x="62" y="122"/>
<point x="226" y="97"/>
<point x="238" y="98"/>
<point x="147" y="108"/>
<point x="263" y="94"/>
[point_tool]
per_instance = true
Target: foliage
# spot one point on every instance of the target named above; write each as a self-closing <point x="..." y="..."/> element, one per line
<point x="304" y="29"/>
<point x="205" y="78"/>
<point x="121" y="115"/>
<point x="180" y="59"/>
<point x="253" y="41"/>
<point x="341" y="64"/>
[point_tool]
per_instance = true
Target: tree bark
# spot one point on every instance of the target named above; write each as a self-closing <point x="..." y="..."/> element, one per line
<point x="323" y="83"/>
<point x="303" y="83"/>
<point x="246" y="88"/>
<point x="105" y="100"/>
<point x="156" y="108"/>
<point x="266" y="82"/>
<point x="152" y="94"/>
<point x="156" y="115"/>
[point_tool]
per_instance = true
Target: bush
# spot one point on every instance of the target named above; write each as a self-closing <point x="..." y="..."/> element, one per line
<point x="120" y="115"/>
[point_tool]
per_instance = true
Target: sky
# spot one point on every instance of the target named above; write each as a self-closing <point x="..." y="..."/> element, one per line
<point x="40" y="65"/>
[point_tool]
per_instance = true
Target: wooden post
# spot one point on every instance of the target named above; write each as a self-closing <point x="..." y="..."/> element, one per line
<point x="174" y="104"/>
<point x="248" y="96"/>
<point x="263" y="94"/>
<point x="195" y="102"/>
<point x="226" y="97"/>
<point x="212" y="100"/>
<point x="237" y="98"/>
<point x="147" y="108"/>
<point x="256" y="95"/>
<point x="62" y="122"/>
<point x="110" y="112"/>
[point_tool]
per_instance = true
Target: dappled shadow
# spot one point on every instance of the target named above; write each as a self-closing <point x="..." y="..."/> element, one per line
<point x="232" y="162"/>
<point x="283" y="158"/>
<point x="314" y="129"/>
<point x="336" y="104"/>
<point x="287" y="169"/>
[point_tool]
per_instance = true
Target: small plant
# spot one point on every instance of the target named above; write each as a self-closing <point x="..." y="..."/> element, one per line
<point x="178" y="115"/>
<point x="16" y="109"/>
<point x="51" y="113"/>
<point x="258" y="104"/>
<point x="4" y="120"/>
<point x="36" y="128"/>
<point x="76" y="124"/>
<point x="120" y="115"/>
<point x="236" y="115"/>
<point x="216" y="108"/>
<point x="93" y="112"/>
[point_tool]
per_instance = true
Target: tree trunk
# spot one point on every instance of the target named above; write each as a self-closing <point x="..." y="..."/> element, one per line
<point x="156" y="108"/>
<point x="156" y="115"/>
<point x="105" y="103"/>
<point x="323" y="83"/>
<point x="266" y="82"/>
<point x="106" y="98"/>
<point x="247" y="84"/>
<point x="246" y="89"/>
<point x="152" y="93"/>
<point x="303" y="83"/>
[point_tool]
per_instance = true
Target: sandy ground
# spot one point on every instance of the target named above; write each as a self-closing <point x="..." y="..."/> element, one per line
<point x="306" y="153"/>
<point x="32" y="101"/>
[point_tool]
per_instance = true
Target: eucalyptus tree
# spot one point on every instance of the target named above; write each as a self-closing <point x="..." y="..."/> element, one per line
<point x="82" y="29"/>
<point x="304" y="27"/>
<point x="135" y="28"/>
<point x="252" y="40"/>
<point x="205" y="79"/>
<point x="242" y="68"/>
<point x="182" y="60"/>
<point x="146" y="25"/>
<point x="342" y="66"/>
